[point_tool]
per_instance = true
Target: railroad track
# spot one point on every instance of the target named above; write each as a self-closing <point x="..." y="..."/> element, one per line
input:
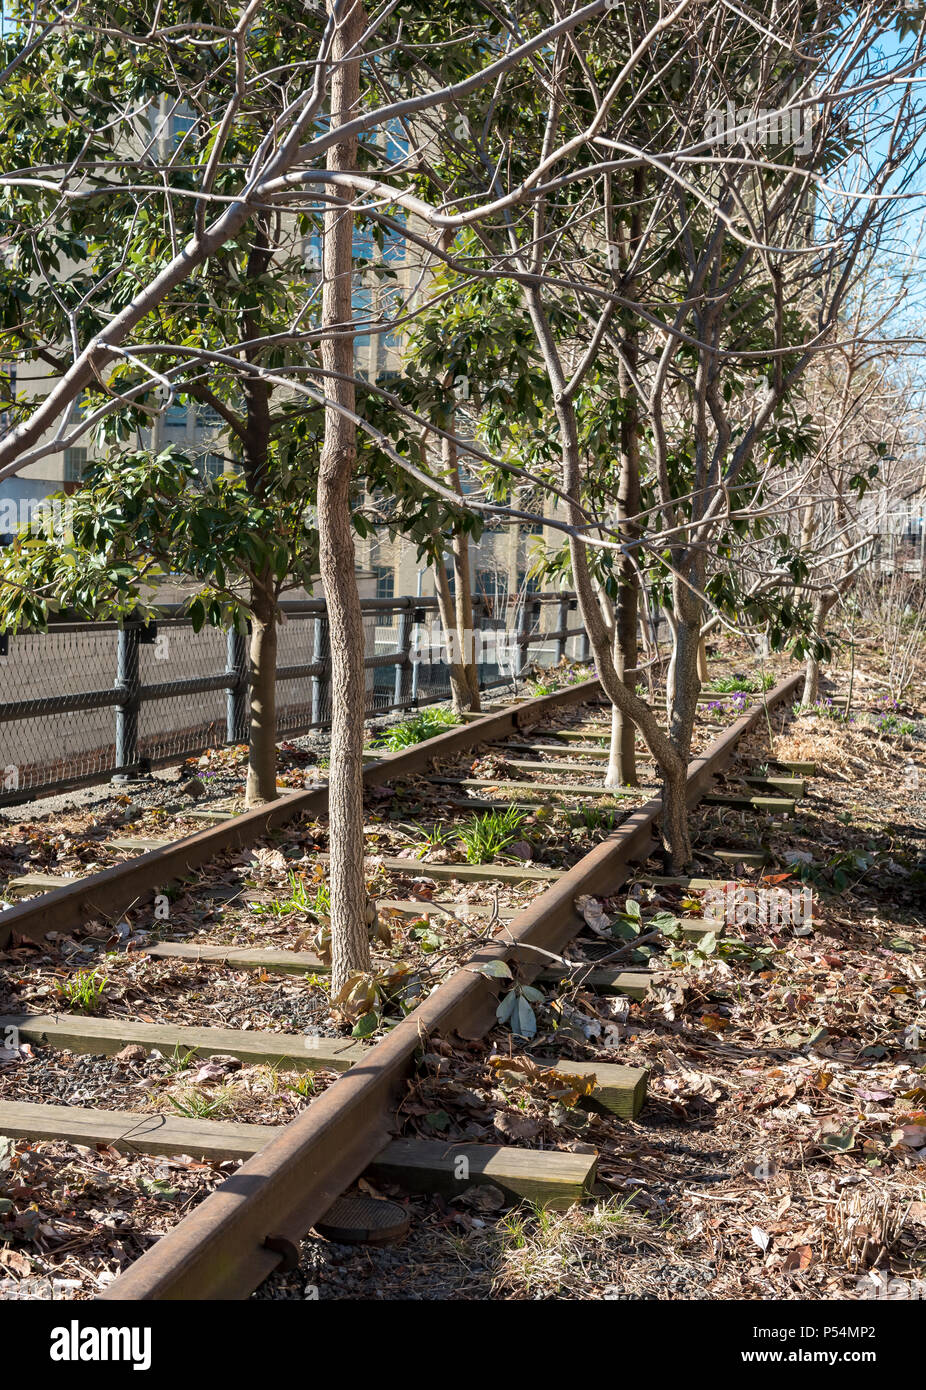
<point x="292" y="1177"/>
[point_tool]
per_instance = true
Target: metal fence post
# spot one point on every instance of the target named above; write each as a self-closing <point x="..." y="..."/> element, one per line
<point x="418" y="617"/>
<point x="562" y="624"/>
<point x="529" y="614"/>
<point x="321" y="656"/>
<point x="402" y="689"/>
<point x="477" y="643"/>
<point x="582" y="652"/>
<point x="127" y="683"/>
<point x="236" y="697"/>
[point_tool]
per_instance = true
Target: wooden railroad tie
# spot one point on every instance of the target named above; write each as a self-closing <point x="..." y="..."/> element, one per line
<point x="525" y="765"/>
<point x="574" y="735"/>
<point x="635" y="984"/>
<point x="695" y="882"/>
<point x="549" y="1177"/>
<point x="537" y="791"/>
<point x="35" y="883"/>
<point x="767" y="805"/>
<point x="139" y="843"/>
<point x="751" y="858"/>
<point x="790" y="786"/>
<point x="242" y="958"/>
<point x="107" y="1036"/>
<point x="470" y="873"/>
<point x="575" y="750"/>
<point x="620" y="1090"/>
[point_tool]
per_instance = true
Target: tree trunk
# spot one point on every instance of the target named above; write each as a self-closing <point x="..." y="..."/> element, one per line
<point x="350" y="945"/>
<point x="686" y="684"/>
<point x="811" y="687"/>
<point x="627" y="657"/>
<point x="675" y="819"/>
<point x="468" y="676"/>
<point x="685" y="688"/>
<point x="262" y="753"/>
<point x="673" y="657"/>
<point x="620" y="728"/>
<point x="459" y="682"/>
<point x="702" y="660"/>
<point x="668" y="757"/>
<point x="463" y="606"/>
<point x="811" y="690"/>
<point x="628" y="598"/>
<point x="623" y="730"/>
<point x="262" y="661"/>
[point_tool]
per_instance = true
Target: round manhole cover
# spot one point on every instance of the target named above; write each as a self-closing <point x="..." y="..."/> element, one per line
<point x="364" y="1221"/>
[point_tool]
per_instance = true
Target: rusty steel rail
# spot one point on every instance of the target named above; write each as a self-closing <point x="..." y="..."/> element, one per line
<point x="112" y="891"/>
<point x="244" y="1230"/>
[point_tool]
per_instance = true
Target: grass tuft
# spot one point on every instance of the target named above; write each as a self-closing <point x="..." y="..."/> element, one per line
<point x="83" y="991"/>
<point x="486" y="836"/>
<point x="415" y="730"/>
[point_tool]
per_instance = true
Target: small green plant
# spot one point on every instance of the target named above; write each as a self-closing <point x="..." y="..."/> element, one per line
<point x="83" y="990"/>
<point x="538" y="688"/>
<point x="835" y="874"/>
<point x="592" y="820"/>
<point x="729" y="685"/>
<point x="415" y="730"/>
<point x="194" y="1104"/>
<point x="180" y="1061"/>
<point x="364" y="1000"/>
<point x="301" y="899"/>
<point x="304" y="1087"/>
<point x="486" y="836"/>
<point x="157" y="1187"/>
<point x="821" y="709"/>
<point x="891" y="724"/>
<point x="436" y="837"/>
<point x="629" y="925"/>
<point x="516" y="1008"/>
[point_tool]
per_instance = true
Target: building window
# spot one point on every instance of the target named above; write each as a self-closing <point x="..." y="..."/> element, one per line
<point x="392" y="306"/>
<point x="180" y="127"/>
<point x="75" y="461"/>
<point x="210" y="465"/>
<point x="361" y="304"/>
<point x="491" y="584"/>
<point x="396" y="142"/>
<point x="312" y="252"/>
<point x="385" y="581"/>
<point x="207" y="418"/>
<point x="362" y="244"/>
<point x="175" y="417"/>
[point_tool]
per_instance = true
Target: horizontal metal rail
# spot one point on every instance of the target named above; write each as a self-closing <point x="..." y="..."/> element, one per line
<point x="12" y="710"/>
<point x="174" y="612"/>
<point x="220" y="1250"/>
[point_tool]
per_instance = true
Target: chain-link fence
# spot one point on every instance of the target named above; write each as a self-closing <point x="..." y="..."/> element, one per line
<point x="86" y="701"/>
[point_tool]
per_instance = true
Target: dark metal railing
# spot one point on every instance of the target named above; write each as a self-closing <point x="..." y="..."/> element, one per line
<point x="44" y="766"/>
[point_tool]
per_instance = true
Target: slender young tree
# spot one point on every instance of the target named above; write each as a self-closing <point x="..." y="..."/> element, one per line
<point x="350" y="944"/>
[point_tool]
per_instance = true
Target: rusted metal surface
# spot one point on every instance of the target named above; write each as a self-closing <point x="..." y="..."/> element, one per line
<point x="219" y="1250"/>
<point x="112" y="891"/>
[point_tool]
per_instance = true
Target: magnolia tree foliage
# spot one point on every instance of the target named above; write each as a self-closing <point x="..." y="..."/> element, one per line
<point x="632" y="289"/>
